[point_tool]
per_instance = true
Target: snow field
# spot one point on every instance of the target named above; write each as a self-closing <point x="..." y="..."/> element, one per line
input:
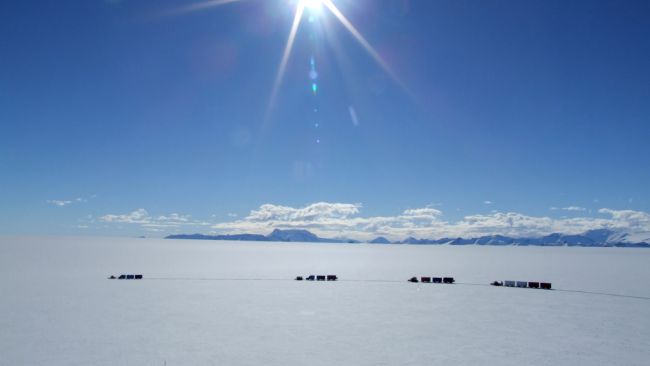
<point x="58" y="308"/>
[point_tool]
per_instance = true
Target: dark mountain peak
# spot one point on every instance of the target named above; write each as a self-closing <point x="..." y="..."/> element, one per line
<point x="293" y="235"/>
<point x="379" y="240"/>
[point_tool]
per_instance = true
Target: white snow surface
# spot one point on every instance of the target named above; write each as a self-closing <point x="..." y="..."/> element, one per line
<point x="635" y="237"/>
<point x="196" y="306"/>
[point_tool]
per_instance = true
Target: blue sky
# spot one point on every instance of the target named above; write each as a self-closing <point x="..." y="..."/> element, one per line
<point x="536" y="109"/>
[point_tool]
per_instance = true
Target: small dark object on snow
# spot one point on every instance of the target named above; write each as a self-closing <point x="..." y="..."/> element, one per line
<point x="437" y="280"/>
<point x="122" y="277"/>
<point x="533" y="284"/>
<point x="299" y="278"/>
<point x="425" y="279"/>
<point x="320" y="278"/>
<point x="448" y="280"/>
<point x="332" y="277"/>
<point x="112" y="277"/>
<point x="545" y="285"/>
<point x="311" y="278"/>
<point x="497" y="283"/>
<point x="413" y="279"/>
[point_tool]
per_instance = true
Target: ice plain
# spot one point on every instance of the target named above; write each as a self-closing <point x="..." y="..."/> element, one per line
<point x="235" y="303"/>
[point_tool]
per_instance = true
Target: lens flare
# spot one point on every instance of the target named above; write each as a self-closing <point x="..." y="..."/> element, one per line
<point x="362" y="40"/>
<point x="197" y="7"/>
<point x="315" y="9"/>
<point x="287" y="52"/>
<point x="314" y="5"/>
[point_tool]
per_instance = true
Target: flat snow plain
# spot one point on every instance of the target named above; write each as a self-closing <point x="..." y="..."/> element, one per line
<point x="195" y="306"/>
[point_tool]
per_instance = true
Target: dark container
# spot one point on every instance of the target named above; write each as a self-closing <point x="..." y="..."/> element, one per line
<point x="332" y="277"/>
<point x="448" y="280"/>
<point x="320" y="278"/>
<point x="545" y="285"/>
<point x="436" y="280"/>
<point x="425" y="279"/>
<point x="533" y="284"/>
<point x="138" y="277"/>
<point x="299" y="278"/>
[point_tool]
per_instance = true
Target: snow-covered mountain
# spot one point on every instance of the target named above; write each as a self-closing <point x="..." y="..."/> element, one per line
<point x="379" y="240"/>
<point x="591" y="238"/>
<point x="293" y="235"/>
<point x="622" y="237"/>
<point x="278" y="235"/>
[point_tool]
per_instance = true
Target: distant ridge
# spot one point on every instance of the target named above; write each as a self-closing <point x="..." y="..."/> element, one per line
<point x="591" y="238"/>
<point x="380" y="240"/>
<point x="237" y="237"/>
<point x="301" y="236"/>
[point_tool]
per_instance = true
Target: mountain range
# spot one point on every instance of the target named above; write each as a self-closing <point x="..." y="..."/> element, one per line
<point x="591" y="238"/>
<point x="302" y="236"/>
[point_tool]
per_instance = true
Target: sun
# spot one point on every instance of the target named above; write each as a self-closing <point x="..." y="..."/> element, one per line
<point x="314" y="5"/>
<point x="314" y="8"/>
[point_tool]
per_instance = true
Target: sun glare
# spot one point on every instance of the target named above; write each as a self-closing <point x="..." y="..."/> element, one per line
<point x="312" y="4"/>
<point x="314" y="9"/>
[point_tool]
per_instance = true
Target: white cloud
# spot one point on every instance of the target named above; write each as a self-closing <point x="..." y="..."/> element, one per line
<point x="315" y="211"/>
<point x="344" y="220"/>
<point x="340" y="219"/>
<point x="323" y="218"/>
<point x="487" y="202"/>
<point x="174" y="217"/>
<point x="59" y="203"/>
<point x="423" y="212"/>
<point x="628" y="219"/>
<point x="569" y="208"/>
<point x="139" y="216"/>
<point x="62" y="203"/>
<point x="152" y="223"/>
<point x="574" y="208"/>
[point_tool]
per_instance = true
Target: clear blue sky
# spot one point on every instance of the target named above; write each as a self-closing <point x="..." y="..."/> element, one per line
<point x="112" y="106"/>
